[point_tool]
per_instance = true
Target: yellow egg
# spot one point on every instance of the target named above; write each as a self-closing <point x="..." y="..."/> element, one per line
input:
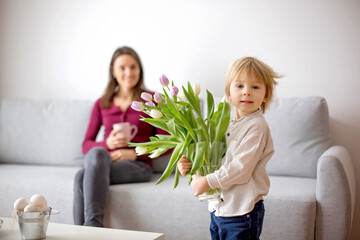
<point x="20" y="204"/>
<point x="38" y="200"/>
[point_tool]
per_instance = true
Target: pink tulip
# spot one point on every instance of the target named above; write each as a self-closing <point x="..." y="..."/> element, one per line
<point x="150" y="104"/>
<point x="164" y="80"/>
<point x="146" y="96"/>
<point x="174" y="91"/>
<point x="157" y="97"/>
<point x="137" y="106"/>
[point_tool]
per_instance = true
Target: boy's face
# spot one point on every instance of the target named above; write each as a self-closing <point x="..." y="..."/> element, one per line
<point x="247" y="94"/>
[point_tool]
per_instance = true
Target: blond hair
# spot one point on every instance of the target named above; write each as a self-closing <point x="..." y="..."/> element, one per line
<point x="262" y="72"/>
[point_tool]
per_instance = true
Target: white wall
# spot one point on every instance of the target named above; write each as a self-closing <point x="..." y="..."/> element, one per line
<point x="61" y="49"/>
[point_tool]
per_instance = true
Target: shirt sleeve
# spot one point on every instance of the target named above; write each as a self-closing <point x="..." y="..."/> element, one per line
<point x="239" y="169"/>
<point x="93" y="129"/>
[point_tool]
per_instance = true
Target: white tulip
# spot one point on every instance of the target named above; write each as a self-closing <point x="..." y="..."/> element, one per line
<point x="196" y="88"/>
<point x="155" y="154"/>
<point x="155" y="113"/>
<point x="182" y="97"/>
<point x="140" y="150"/>
<point x="224" y="99"/>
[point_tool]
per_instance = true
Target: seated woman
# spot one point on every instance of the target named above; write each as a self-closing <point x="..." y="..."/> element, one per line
<point x="112" y="161"/>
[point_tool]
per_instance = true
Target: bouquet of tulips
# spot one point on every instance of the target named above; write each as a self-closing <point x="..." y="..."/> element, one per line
<point x="203" y="140"/>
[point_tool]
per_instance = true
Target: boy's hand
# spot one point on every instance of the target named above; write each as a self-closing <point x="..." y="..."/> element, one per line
<point x="199" y="185"/>
<point x="184" y="165"/>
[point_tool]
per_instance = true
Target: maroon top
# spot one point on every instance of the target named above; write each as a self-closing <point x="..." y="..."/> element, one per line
<point x="107" y="117"/>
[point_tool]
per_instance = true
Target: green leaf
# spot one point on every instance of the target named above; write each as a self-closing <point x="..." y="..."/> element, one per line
<point x="165" y="137"/>
<point x="154" y="144"/>
<point x="158" y="123"/>
<point x="210" y="104"/>
<point x="179" y="117"/>
<point x="192" y="101"/>
<point x="222" y="121"/>
<point x="204" y="129"/>
<point x="171" y="164"/>
<point x="178" y="151"/>
<point x="185" y="104"/>
<point x="198" y="161"/>
<point x="171" y="126"/>
<point x="190" y="117"/>
<point x="176" y="178"/>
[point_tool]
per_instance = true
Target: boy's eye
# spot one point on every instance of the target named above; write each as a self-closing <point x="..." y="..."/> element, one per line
<point x="239" y="85"/>
<point x="255" y="87"/>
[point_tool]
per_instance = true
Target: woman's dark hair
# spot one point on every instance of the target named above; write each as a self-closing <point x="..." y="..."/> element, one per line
<point x="113" y="85"/>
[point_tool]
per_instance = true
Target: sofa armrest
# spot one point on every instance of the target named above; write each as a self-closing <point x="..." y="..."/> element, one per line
<point x="335" y="194"/>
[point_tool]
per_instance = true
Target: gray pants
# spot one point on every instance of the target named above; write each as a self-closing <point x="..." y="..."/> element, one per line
<point x="92" y="184"/>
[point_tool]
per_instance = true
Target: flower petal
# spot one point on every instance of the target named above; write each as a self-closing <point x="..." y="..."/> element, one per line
<point x="137" y="106"/>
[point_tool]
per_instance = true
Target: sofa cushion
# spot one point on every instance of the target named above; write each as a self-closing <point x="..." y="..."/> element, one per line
<point x="43" y="132"/>
<point x="294" y="198"/>
<point x="301" y="133"/>
<point x="137" y="203"/>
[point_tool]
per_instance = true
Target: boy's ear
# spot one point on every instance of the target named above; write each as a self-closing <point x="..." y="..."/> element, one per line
<point x="265" y="97"/>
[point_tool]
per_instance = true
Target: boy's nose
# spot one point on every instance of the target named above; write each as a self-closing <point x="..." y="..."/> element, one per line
<point x="246" y="92"/>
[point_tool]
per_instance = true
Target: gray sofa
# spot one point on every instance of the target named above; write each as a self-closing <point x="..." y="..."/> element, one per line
<point x="312" y="193"/>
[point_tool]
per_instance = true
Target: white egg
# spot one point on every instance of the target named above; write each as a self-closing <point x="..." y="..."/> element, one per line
<point x="20" y="204"/>
<point x="31" y="208"/>
<point x="44" y="208"/>
<point x="38" y="200"/>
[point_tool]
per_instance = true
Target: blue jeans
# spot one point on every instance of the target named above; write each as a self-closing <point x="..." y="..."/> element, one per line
<point x="243" y="227"/>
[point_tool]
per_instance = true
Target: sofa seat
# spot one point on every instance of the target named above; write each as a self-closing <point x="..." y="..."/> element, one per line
<point x="295" y="198"/>
<point x="147" y="207"/>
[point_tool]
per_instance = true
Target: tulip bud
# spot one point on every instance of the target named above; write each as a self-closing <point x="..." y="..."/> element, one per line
<point x="174" y="91"/>
<point x="150" y="104"/>
<point x="137" y="106"/>
<point x="224" y="99"/>
<point x="157" y="97"/>
<point x="146" y="96"/>
<point x="164" y="80"/>
<point x="140" y="150"/>
<point x="183" y="97"/>
<point x="196" y="88"/>
<point x="155" y="113"/>
<point x="155" y="154"/>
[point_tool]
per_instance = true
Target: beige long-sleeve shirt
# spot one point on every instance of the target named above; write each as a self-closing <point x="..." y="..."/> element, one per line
<point x="242" y="177"/>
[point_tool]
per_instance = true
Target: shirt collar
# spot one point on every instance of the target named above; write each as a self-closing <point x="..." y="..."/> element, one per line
<point x="248" y="117"/>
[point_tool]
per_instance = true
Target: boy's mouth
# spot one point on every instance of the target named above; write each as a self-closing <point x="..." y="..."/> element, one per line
<point x="246" y="101"/>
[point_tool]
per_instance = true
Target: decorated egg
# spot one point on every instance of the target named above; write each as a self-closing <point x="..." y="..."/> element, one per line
<point x="38" y="200"/>
<point x="20" y="204"/>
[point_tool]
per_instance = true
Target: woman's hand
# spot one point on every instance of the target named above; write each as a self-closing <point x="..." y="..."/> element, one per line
<point x="183" y="165"/>
<point x="199" y="185"/>
<point x="114" y="141"/>
<point x="123" y="154"/>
